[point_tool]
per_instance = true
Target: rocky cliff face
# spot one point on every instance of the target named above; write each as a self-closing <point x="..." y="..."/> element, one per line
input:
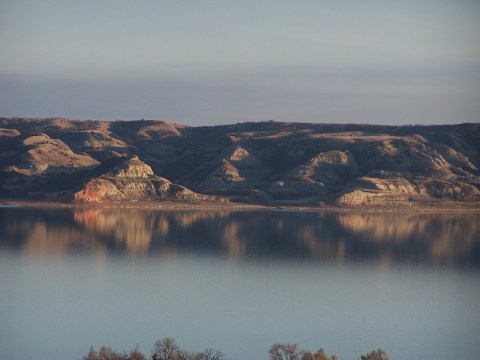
<point x="39" y="154"/>
<point x="266" y="162"/>
<point x="133" y="180"/>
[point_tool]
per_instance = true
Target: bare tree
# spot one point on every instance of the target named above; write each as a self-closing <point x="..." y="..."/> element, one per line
<point x="92" y="354"/>
<point x="319" y="355"/>
<point x="165" y="349"/>
<point x="211" y="354"/>
<point x="284" y="352"/>
<point x="135" y="354"/>
<point x="106" y="353"/>
<point x="378" y="354"/>
<point x="185" y="355"/>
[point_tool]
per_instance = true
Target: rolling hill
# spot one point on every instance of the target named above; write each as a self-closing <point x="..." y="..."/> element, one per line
<point x="263" y="163"/>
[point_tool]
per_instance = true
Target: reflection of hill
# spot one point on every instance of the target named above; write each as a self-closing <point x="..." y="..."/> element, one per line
<point x="319" y="245"/>
<point x="232" y="240"/>
<point x="49" y="232"/>
<point x="397" y="237"/>
<point x="186" y="219"/>
<point x="378" y="227"/>
<point x="440" y="237"/>
<point x="133" y="229"/>
<point x="50" y="240"/>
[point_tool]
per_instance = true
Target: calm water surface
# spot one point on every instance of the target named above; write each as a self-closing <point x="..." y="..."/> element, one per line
<point x="239" y="282"/>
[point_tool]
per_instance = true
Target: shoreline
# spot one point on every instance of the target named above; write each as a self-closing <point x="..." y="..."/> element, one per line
<point x="205" y="206"/>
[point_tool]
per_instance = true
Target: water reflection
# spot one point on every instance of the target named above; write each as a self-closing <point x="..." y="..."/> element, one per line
<point x="391" y="237"/>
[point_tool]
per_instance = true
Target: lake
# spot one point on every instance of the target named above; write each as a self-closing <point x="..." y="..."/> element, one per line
<point x="239" y="281"/>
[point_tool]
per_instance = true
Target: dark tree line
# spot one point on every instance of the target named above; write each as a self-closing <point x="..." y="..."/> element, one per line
<point x="167" y="349"/>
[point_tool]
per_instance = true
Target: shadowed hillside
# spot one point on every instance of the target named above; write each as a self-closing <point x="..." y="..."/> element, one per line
<point x="266" y="162"/>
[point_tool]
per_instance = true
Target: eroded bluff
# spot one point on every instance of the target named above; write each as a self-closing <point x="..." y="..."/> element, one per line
<point x="264" y="163"/>
<point x="133" y="180"/>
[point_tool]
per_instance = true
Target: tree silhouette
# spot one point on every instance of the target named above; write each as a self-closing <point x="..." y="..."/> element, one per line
<point x="135" y="354"/>
<point x="92" y="354"/>
<point x="165" y="349"/>
<point x="211" y="354"/>
<point x="284" y="352"/>
<point x="319" y="355"/>
<point x="378" y="354"/>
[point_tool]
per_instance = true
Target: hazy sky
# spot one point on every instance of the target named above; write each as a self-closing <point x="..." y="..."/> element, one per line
<point x="211" y="62"/>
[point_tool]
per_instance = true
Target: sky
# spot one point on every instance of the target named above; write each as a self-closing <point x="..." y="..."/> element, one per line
<point x="217" y="62"/>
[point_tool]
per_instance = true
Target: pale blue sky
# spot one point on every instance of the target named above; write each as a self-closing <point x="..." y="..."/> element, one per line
<point x="212" y="62"/>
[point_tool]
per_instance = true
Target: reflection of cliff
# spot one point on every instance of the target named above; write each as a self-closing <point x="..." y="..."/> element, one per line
<point x="133" y="229"/>
<point x="440" y="237"/>
<point x="40" y="236"/>
<point x="321" y="247"/>
<point x="391" y="237"/>
<point x="378" y="227"/>
<point x="186" y="219"/>
<point x="232" y="240"/>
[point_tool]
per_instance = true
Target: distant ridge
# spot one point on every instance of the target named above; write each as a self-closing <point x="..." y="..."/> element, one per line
<point x="269" y="162"/>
